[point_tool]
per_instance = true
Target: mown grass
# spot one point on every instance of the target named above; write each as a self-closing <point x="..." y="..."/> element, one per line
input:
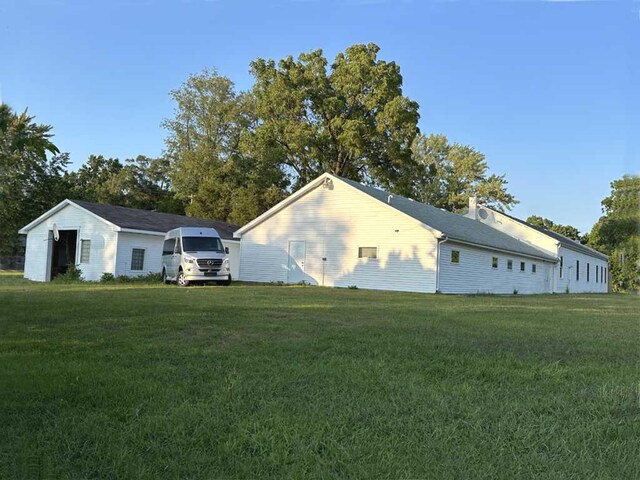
<point x="148" y="381"/>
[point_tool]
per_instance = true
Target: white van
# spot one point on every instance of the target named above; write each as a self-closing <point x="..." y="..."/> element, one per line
<point x="192" y="254"/>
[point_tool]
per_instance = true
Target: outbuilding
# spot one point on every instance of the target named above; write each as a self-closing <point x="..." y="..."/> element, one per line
<point x="103" y="238"/>
<point x="337" y="232"/>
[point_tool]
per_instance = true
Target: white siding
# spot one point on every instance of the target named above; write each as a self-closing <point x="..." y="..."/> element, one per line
<point x="569" y="281"/>
<point x="234" y="257"/>
<point x="334" y="222"/>
<point x="152" y="245"/>
<point x="475" y="273"/>
<point x="101" y="234"/>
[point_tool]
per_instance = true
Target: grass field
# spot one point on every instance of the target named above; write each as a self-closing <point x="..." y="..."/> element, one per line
<point x="151" y="381"/>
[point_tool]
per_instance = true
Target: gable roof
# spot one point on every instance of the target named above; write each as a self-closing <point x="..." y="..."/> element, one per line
<point x="141" y="220"/>
<point x="564" y="241"/>
<point x="454" y="226"/>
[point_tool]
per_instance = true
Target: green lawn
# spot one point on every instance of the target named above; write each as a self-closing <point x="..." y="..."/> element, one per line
<point x="152" y="381"/>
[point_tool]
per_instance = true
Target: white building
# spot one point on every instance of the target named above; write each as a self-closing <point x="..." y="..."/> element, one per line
<point x="337" y="232"/>
<point x="103" y="238"/>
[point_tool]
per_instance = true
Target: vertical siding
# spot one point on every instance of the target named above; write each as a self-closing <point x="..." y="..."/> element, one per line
<point x="101" y="234"/>
<point x="475" y="274"/>
<point x="334" y="222"/>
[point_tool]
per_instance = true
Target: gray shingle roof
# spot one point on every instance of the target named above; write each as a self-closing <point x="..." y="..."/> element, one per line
<point x="137" y="219"/>
<point x="564" y="241"/>
<point x="452" y="225"/>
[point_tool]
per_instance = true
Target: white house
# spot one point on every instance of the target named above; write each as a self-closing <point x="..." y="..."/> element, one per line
<point x="337" y="232"/>
<point x="103" y="238"/>
<point x="578" y="268"/>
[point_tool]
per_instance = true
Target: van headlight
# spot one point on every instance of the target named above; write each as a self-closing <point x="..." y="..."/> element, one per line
<point x="226" y="263"/>
<point x="188" y="259"/>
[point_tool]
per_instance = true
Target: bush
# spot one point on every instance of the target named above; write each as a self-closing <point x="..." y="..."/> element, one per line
<point x="72" y="275"/>
<point x="515" y="291"/>
<point x="107" y="277"/>
<point x="352" y="287"/>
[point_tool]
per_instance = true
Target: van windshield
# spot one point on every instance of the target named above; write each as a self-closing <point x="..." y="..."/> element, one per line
<point x="201" y="244"/>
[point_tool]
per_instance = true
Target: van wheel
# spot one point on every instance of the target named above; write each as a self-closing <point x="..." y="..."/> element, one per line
<point x="182" y="280"/>
<point x="164" y="277"/>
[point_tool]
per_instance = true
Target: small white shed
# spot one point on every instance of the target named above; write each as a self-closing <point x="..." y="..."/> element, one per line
<point x="103" y="238"/>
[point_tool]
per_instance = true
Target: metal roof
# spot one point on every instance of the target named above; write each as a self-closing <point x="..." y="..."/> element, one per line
<point x="564" y="241"/>
<point x="454" y="226"/>
<point x="147" y="220"/>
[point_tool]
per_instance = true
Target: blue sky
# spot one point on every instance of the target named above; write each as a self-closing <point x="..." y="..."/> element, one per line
<point x="549" y="91"/>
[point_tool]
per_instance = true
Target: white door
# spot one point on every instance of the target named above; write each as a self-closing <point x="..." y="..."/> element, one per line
<point x="297" y="252"/>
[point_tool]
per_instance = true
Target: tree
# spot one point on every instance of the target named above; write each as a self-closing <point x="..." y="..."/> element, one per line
<point x="567" y="230"/>
<point x="349" y="119"/>
<point x="142" y="182"/>
<point x="210" y="152"/>
<point x="617" y="233"/>
<point x="31" y="179"/>
<point x="448" y="174"/>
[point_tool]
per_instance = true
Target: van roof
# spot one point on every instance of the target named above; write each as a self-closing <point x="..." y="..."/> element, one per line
<point x="193" y="232"/>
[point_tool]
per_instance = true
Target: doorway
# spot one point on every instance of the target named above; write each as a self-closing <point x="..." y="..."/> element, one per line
<point x="297" y="253"/>
<point x="63" y="252"/>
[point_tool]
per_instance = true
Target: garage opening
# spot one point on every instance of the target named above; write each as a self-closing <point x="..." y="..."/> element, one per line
<point x="63" y="252"/>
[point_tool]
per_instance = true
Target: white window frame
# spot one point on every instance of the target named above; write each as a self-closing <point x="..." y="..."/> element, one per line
<point x="367" y="258"/>
<point x="81" y="260"/>
<point x="144" y="254"/>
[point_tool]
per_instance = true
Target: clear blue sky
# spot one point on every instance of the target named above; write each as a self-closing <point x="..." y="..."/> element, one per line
<point x="549" y="91"/>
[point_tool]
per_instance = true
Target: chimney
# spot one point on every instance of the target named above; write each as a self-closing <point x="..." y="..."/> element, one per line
<point x="473" y="208"/>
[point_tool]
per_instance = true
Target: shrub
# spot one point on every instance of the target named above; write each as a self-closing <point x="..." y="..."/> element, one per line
<point x="515" y="291"/>
<point x="107" y="277"/>
<point x="123" y="279"/>
<point x="352" y="287"/>
<point x="72" y="275"/>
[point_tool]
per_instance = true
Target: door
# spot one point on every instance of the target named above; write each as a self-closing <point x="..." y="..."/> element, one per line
<point x="297" y="253"/>
<point x="176" y="259"/>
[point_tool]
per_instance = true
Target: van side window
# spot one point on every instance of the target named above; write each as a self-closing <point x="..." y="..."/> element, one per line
<point x="169" y="244"/>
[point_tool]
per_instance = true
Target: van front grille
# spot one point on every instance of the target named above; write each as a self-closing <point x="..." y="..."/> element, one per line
<point x="209" y="262"/>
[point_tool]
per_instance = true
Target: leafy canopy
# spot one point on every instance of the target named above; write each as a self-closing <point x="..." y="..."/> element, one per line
<point x="448" y="174"/>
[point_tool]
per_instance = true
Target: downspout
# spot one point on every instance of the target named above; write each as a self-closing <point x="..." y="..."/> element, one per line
<point x="441" y="240"/>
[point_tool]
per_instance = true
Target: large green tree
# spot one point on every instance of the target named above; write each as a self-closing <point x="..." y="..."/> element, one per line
<point x="210" y="148"/>
<point x="142" y="182"/>
<point x="567" y="230"/>
<point x="31" y="174"/>
<point x="349" y="118"/>
<point x="617" y="232"/>
<point x="449" y="173"/>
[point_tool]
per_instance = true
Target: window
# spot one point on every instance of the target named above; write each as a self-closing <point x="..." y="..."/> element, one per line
<point x="561" y="264"/>
<point x="606" y="279"/>
<point x="533" y="268"/>
<point x="137" y="259"/>
<point x="577" y="270"/>
<point x="169" y="245"/>
<point x="509" y="264"/>
<point x="85" y="251"/>
<point x="522" y="267"/>
<point x="587" y="272"/>
<point x="178" y="247"/>
<point x="367" y="252"/>
<point x="202" y="244"/>
<point x="494" y="262"/>
<point x="455" y="256"/>
<point x="597" y="273"/>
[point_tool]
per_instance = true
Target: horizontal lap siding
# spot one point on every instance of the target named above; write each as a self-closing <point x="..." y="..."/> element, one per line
<point x="568" y="279"/>
<point x="475" y="274"/>
<point x="334" y="223"/>
<point x="152" y="245"/>
<point x="101" y="234"/>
